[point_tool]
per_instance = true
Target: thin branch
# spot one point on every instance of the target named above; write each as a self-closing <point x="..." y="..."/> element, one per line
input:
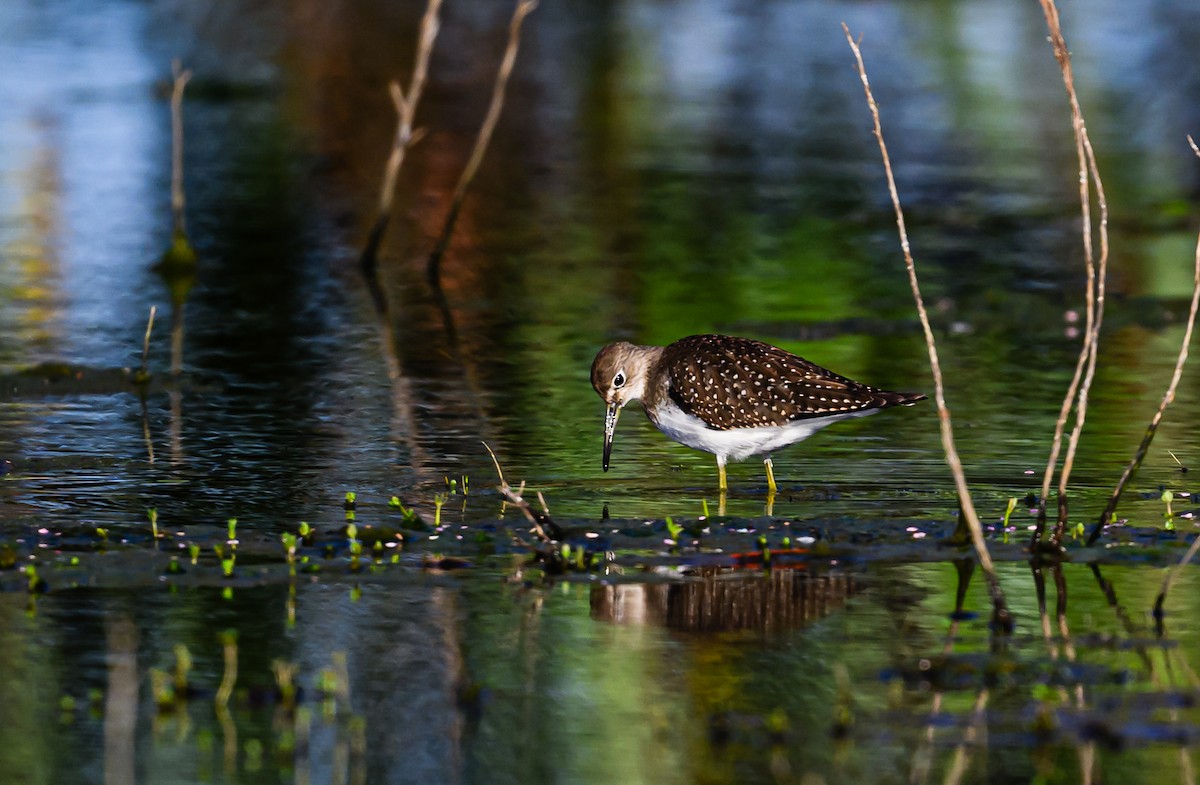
<point x="1132" y="467"/>
<point x="145" y="371"/>
<point x="947" y="431"/>
<point x="514" y="498"/>
<point x="406" y="105"/>
<point x="406" y="109"/>
<point x="180" y="80"/>
<point x="1085" y="367"/>
<point x="523" y="9"/>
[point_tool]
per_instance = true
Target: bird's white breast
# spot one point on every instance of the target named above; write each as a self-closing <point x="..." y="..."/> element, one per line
<point x="738" y="443"/>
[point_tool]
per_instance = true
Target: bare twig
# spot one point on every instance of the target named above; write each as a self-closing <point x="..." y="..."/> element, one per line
<point x="514" y="498"/>
<point x="952" y="459"/>
<point x="1132" y="467"/>
<point x="1085" y="367"/>
<point x="406" y="109"/>
<point x="145" y="371"/>
<point x="180" y="80"/>
<point x="523" y="9"/>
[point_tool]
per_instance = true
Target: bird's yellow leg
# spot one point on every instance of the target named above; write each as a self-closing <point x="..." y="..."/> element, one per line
<point x="771" y="486"/>
<point x="722" y="485"/>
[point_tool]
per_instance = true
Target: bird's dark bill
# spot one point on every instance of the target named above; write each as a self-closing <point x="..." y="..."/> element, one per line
<point x="610" y="426"/>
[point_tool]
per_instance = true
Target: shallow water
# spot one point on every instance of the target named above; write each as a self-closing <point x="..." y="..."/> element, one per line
<point x="658" y="171"/>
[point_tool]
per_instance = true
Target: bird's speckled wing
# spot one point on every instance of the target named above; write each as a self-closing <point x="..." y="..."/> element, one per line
<point x="741" y="383"/>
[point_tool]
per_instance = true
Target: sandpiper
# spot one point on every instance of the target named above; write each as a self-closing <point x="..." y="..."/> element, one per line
<point x="732" y="397"/>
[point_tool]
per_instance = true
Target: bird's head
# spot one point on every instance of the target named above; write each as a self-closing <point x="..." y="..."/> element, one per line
<point x="619" y="376"/>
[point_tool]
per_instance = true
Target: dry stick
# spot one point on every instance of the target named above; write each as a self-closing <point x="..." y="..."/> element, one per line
<point x="406" y="109"/>
<point x="1095" y="287"/>
<point x="524" y="8"/>
<point x="952" y="459"/>
<point x="181" y="79"/>
<point x="514" y="498"/>
<point x="145" y="372"/>
<point x="1168" y="397"/>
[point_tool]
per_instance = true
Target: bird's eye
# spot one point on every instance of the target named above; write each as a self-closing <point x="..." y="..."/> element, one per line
<point x="619" y="380"/>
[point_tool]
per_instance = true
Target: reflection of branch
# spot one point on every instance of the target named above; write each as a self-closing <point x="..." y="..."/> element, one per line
<point x="923" y="757"/>
<point x="121" y="700"/>
<point x="952" y="460"/>
<point x="406" y="108"/>
<point x="1131" y="629"/>
<point x="1095" y="288"/>
<point x="962" y="754"/>
<point x="1170" y="576"/>
<point x="221" y="699"/>
<point x="181" y="79"/>
<point x="1169" y="396"/>
<point x="524" y="8"/>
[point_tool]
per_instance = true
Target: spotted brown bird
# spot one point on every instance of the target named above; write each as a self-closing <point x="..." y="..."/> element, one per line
<point x="732" y="397"/>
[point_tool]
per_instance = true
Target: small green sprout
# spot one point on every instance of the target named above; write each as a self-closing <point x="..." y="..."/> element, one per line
<point x="1079" y="530"/>
<point x="226" y="562"/>
<point x="673" y="529"/>
<point x="194" y="551"/>
<point x="254" y="755"/>
<point x="305" y="530"/>
<point x="1012" y="505"/>
<point x="326" y="682"/>
<point x="451" y="486"/>
<point x="465" y="481"/>
<point x="285" y="677"/>
<point x="1168" y="497"/>
<point x="704" y="507"/>
<point x="776" y="722"/>
<point x="102" y="533"/>
<point x="395" y="503"/>
<point x="289" y="544"/>
<point x="162" y="689"/>
<point x="351" y="500"/>
<point x="152" y="513"/>
<point x="438" y="501"/>
<point x="231" y="524"/>
<point x="37" y="584"/>
<point x="183" y="667"/>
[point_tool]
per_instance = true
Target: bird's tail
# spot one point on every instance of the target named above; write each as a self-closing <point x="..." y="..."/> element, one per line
<point x="887" y="398"/>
